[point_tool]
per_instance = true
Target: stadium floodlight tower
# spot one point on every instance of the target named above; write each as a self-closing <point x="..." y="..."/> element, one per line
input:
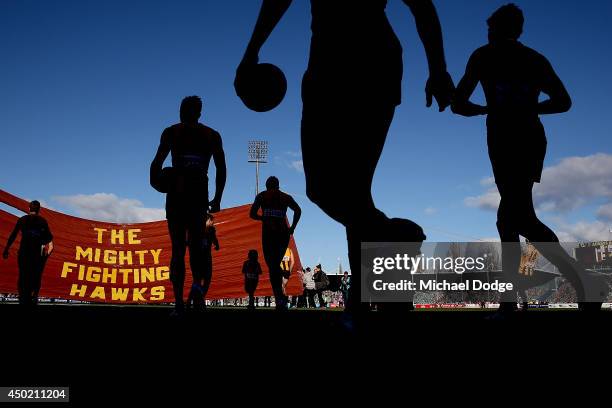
<point x="258" y="153"/>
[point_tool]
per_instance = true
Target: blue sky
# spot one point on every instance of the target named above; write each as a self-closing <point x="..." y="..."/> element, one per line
<point x="86" y="87"/>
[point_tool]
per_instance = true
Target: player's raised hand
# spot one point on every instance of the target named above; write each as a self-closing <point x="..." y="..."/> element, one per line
<point x="440" y="87"/>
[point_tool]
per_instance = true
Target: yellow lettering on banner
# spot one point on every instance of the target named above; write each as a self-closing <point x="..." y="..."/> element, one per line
<point x="147" y="275"/>
<point x="97" y="255"/>
<point x="120" y="293"/>
<point x="155" y="253"/>
<point x="67" y="268"/>
<point x="78" y="290"/>
<point x="162" y="273"/>
<point x="84" y="253"/>
<point x="100" y="232"/>
<point x="132" y="236"/>
<point x="93" y="274"/>
<point x="125" y="257"/>
<point x="110" y="257"/>
<point x="109" y="274"/>
<point x="141" y="255"/>
<point x="125" y="273"/>
<point x="98" y="293"/>
<point x="81" y="272"/>
<point x="117" y="237"/>
<point x="137" y="294"/>
<point x="157" y="293"/>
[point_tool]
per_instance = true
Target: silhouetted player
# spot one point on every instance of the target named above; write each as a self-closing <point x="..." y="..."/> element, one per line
<point x="512" y="77"/>
<point x="275" y="232"/>
<point x="191" y="145"/>
<point x="349" y="92"/>
<point x="35" y="246"/>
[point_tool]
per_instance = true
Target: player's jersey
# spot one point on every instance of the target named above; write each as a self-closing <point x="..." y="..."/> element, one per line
<point x="34" y="234"/>
<point x="286" y="262"/>
<point x="251" y="270"/>
<point x="191" y="148"/>
<point x="274" y="204"/>
<point x="512" y="77"/>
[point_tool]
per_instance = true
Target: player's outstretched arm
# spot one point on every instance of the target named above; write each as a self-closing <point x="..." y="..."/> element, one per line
<point x="269" y="15"/>
<point x="461" y="104"/>
<point x="158" y="161"/>
<point x="559" y="100"/>
<point x="254" y="213"/>
<point x="11" y="239"/>
<point x="221" y="177"/>
<point x="297" y="213"/>
<point x="439" y="84"/>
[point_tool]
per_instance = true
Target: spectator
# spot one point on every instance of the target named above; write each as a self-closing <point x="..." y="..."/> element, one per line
<point x="321" y="283"/>
<point x="345" y="285"/>
<point x="309" y="287"/>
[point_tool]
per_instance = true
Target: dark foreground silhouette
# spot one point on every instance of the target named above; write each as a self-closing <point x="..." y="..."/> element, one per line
<point x="349" y="92"/>
<point x="123" y="350"/>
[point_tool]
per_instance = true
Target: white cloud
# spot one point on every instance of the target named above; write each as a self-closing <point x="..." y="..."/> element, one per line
<point x="430" y="211"/>
<point x="605" y="212"/>
<point x="571" y="184"/>
<point x="297" y="165"/>
<point x="583" y="231"/>
<point x="109" y="207"/>
<point x="292" y="160"/>
<point x="574" y="182"/>
<point x="487" y="201"/>
<point x="487" y="181"/>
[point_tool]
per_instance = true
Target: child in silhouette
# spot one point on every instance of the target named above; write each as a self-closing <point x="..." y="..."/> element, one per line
<point x="251" y="270"/>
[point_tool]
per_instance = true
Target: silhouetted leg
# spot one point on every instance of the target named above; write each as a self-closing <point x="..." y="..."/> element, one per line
<point x="207" y="274"/>
<point x="38" y="279"/>
<point x="274" y="247"/>
<point x="26" y="266"/>
<point x="341" y="146"/>
<point x="197" y="257"/>
<point x="250" y="287"/>
<point x="544" y="239"/>
<point x="178" y="237"/>
<point x="507" y="226"/>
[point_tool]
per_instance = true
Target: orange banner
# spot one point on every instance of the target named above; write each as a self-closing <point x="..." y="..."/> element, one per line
<point x="104" y="262"/>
